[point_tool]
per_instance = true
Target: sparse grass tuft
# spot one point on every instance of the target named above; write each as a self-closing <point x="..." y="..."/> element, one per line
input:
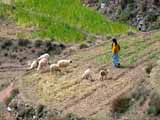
<point x="154" y="105"/>
<point x="103" y="59"/>
<point x="13" y="95"/>
<point x="38" y="43"/>
<point x="121" y="105"/>
<point x="6" y="44"/>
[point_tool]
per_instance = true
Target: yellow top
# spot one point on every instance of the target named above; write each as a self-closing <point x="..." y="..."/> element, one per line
<point x="115" y="48"/>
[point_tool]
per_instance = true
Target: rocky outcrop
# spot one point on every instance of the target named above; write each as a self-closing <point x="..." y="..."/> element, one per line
<point x="143" y="14"/>
<point x="25" y="111"/>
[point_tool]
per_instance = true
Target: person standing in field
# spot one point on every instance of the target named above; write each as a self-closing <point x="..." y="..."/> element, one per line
<point x="115" y="51"/>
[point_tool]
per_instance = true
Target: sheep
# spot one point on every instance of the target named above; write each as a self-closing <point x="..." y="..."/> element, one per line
<point x="64" y="63"/>
<point x="103" y="74"/>
<point x="34" y="64"/>
<point x="54" y="67"/>
<point x="87" y="75"/>
<point x="42" y="62"/>
<point x="46" y="55"/>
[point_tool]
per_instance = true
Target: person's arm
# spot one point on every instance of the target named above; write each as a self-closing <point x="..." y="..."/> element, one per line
<point x="113" y="49"/>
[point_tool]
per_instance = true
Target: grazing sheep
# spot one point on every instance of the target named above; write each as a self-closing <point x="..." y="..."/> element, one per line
<point x="54" y="67"/>
<point x="42" y="62"/>
<point x="64" y="63"/>
<point x="46" y="55"/>
<point x="33" y="65"/>
<point x="103" y="74"/>
<point x="87" y="74"/>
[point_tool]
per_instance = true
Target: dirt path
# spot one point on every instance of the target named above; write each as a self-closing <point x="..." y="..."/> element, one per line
<point x="6" y="93"/>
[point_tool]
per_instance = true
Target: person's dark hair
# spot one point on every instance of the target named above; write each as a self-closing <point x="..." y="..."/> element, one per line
<point x="114" y="40"/>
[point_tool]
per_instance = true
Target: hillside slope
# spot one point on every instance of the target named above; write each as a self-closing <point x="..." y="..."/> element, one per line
<point x="66" y="91"/>
<point x="93" y="99"/>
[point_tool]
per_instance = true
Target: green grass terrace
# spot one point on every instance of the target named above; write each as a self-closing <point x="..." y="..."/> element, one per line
<point x="64" y="20"/>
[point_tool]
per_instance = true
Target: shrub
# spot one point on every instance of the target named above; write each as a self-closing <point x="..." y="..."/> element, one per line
<point x="13" y="56"/>
<point x="23" y="42"/>
<point x="156" y="2"/>
<point x="152" y="110"/>
<point x="48" y="46"/>
<point x="124" y="3"/>
<point x="6" y="44"/>
<point x="154" y="105"/>
<point x="149" y="68"/>
<point x="62" y="46"/>
<point x="5" y="54"/>
<point x="151" y="17"/>
<point x="144" y="5"/>
<point x="13" y="95"/>
<point x="38" y="43"/>
<point x="124" y="16"/>
<point x="121" y="105"/>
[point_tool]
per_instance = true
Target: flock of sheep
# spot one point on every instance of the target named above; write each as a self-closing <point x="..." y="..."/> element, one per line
<point x="43" y="61"/>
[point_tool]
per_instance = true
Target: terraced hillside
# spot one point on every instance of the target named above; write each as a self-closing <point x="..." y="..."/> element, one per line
<point x="68" y="92"/>
<point x="70" y="21"/>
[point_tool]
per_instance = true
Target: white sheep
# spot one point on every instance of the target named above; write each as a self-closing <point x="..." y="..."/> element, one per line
<point x="87" y="74"/>
<point x="34" y="64"/>
<point x="42" y="62"/>
<point x="54" y="67"/>
<point x="64" y="63"/>
<point x="46" y="55"/>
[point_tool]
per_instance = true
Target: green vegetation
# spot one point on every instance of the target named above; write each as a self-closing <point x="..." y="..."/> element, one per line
<point x="13" y="95"/>
<point x="103" y="59"/>
<point x="154" y="105"/>
<point x="5" y="11"/>
<point x="64" y="20"/>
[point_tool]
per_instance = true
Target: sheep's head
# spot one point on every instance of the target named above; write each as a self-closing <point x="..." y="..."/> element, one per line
<point x="70" y="61"/>
<point x="89" y="66"/>
<point x="103" y="73"/>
